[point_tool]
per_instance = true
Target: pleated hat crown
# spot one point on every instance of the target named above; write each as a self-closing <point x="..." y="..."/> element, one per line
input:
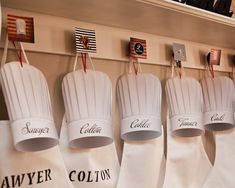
<point x="28" y="104"/>
<point x="87" y="99"/>
<point x="139" y="99"/>
<point x="185" y="102"/>
<point x="218" y="96"/>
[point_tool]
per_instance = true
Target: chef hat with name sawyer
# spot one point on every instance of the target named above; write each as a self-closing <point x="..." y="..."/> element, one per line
<point x="87" y="99"/>
<point x="139" y="98"/>
<point x="184" y="96"/>
<point x="28" y="104"/>
<point x="218" y="93"/>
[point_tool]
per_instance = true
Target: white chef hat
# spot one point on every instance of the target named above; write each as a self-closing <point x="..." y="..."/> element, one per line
<point x="87" y="99"/>
<point x="218" y="96"/>
<point x="185" y="102"/>
<point x="28" y="104"/>
<point x="139" y="98"/>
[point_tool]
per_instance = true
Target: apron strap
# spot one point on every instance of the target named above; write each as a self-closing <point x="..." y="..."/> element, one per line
<point x="134" y="65"/>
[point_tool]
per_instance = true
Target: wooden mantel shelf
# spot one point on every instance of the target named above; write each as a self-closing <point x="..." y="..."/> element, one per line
<point x="160" y="23"/>
<point x="165" y="18"/>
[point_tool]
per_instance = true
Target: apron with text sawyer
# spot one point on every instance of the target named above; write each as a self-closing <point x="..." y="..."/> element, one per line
<point x="89" y="168"/>
<point x="43" y="169"/>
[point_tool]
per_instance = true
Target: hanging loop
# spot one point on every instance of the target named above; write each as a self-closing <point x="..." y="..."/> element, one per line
<point x="133" y="62"/>
<point x="179" y="68"/>
<point x="19" y="54"/>
<point x="84" y="57"/>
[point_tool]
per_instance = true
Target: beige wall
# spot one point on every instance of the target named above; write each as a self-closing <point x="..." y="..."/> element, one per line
<point x="55" y="67"/>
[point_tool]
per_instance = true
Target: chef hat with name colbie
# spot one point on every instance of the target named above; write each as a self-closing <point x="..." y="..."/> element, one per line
<point x="139" y="99"/>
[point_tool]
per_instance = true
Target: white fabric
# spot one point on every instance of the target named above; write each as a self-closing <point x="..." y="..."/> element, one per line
<point x="87" y="99"/>
<point x="187" y="165"/>
<point x="222" y="174"/>
<point x="218" y="94"/>
<point x="142" y="164"/>
<point x="140" y="123"/>
<point x="90" y="168"/>
<point x="44" y="169"/>
<point x="181" y="121"/>
<point x="218" y="117"/>
<point x="28" y="104"/>
<point x="184" y="96"/>
<point x="139" y="99"/>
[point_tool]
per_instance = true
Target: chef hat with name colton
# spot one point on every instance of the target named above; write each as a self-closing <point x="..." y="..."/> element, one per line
<point x="29" y="108"/>
<point x="218" y="93"/>
<point x="87" y="99"/>
<point x="185" y="101"/>
<point x="139" y="99"/>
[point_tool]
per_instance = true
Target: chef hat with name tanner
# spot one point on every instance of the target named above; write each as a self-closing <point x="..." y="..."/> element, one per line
<point x="184" y="96"/>
<point x="87" y="99"/>
<point x="139" y="99"/>
<point x="28" y="104"/>
<point x="218" y="93"/>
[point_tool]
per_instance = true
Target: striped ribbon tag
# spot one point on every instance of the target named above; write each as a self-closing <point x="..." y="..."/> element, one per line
<point x="85" y="40"/>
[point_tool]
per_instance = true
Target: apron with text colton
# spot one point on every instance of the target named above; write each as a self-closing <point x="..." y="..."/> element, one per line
<point x="89" y="168"/>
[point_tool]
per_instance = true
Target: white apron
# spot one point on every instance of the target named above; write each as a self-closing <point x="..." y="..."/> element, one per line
<point x="89" y="168"/>
<point x="43" y="169"/>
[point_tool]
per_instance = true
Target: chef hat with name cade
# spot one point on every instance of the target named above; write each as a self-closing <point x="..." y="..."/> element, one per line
<point x="139" y="99"/>
<point x="28" y="104"/>
<point x="87" y="99"/>
<point x="218" y="93"/>
<point x="184" y="96"/>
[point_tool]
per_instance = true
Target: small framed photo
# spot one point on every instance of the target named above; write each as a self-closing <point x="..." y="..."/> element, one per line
<point x="138" y="48"/>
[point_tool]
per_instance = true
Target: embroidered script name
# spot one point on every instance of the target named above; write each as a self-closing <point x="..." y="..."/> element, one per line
<point x="24" y="179"/>
<point x="217" y="117"/>
<point x="90" y="129"/>
<point x="184" y="122"/>
<point x="140" y="124"/>
<point x="28" y="130"/>
<point x="90" y="176"/>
